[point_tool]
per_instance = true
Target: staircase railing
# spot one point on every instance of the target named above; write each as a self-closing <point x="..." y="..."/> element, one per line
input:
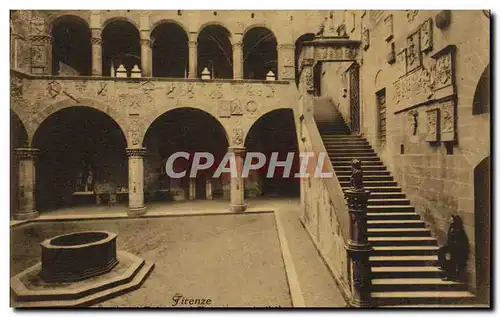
<point x="328" y="201"/>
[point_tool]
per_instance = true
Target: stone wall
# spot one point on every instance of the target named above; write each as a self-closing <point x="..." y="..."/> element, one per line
<point x="430" y="71"/>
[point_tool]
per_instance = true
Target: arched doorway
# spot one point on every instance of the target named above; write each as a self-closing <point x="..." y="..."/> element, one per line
<point x="273" y="132"/>
<point x="184" y="130"/>
<point x="71" y="48"/>
<point x="82" y="152"/>
<point x="215" y="52"/>
<point x="120" y="46"/>
<point x="482" y="227"/>
<point x="18" y="139"/>
<point x="170" y="51"/>
<point x="481" y="101"/>
<point x="298" y="48"/>
<point x="260" y="54"/>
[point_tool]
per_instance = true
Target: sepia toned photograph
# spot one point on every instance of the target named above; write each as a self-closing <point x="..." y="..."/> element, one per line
<point x="250" y="159"/>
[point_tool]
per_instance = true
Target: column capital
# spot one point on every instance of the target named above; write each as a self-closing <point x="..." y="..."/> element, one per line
<point x="26" y="153"/>
<point x="136" y="152"/>
<point x="237" y="45"/>
<point x="192" y="44"/>
<point x="237" y="150"/>
<point x="43" y="39"/>
<point x="146" y="42"/>
<point x="96" y="41"/>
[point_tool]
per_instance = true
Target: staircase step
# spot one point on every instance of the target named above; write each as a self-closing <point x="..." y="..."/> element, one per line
<point x="341" y="149"/>
<point x="405" y="272"/>
<point x="366" y="165"/>
<point x="398" y="232"/>
<point x="348" y="146"/>
<point x="404" y="260"/>
<point x="367" y="178"/>
<point x="392" y="216"/>
<point x="422" y="297"/>
<point x="378" y="189"/>
<point x="372" y="184"/>
<point x="365" y="173"/>
<point x="388" y="201"/>
<point x="396" y="223"/>
<point x="340" y="167"/>
<point x="400" y="241"/>
<point x="390" y="208"/>
<point x="376" y="195"/>
<point x="406" y="250"/>
<point x="415" y="284"/>
<point x="372" y="156"/>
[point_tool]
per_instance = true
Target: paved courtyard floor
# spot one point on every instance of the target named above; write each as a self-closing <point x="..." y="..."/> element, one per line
<point x="252" y="259"/>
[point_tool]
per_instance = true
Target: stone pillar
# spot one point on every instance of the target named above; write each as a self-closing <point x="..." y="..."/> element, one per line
<point x="208" y="189"/>
<point x="192" y="188"/>
<point x="146" y="52"/>
<point x="136" y="205"/>
<point x="358" y="247"/>
<point x="237" y="183"/>
<point x="193" y="56"/>
<point x="27" y="183"/>
<point x="96" y="41"/>
<point x="238" y="56"/>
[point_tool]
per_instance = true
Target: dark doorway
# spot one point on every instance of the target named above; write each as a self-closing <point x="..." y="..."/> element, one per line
<point x="260" y="54"/>
<point x="354" y="97"/>
<point x="482" y="227"/>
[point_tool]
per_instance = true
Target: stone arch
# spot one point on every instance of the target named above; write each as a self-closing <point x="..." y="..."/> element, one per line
<point x="41" y="116"/>
<point x="262" y="115"/>
<point x="379" y="79"/>
<point x="110" y="20"/>
<point x="216" y="23"/>
<point x="162" y="21"/>
<point x="170" y="53"/>
<point x="215" y="51"/>
<point x="149" y="122"/>
<point x="482" y="94"/>
<point x="52" y="22"/>
<point x="262" y="25"/>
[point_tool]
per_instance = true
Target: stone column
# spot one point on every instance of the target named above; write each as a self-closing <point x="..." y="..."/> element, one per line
<point x="237" y="183"/>
<point x="146" y="57"/>
<point x="208" y="189"/>
<point x="238" y="56"/>
<point x="358" y="247"/>
<point x="136" y="205"/>
<point x="27" y="183"/>
<point x="193" y="56"/>
<point x="192" y="188"/>
<point x="96" y="41"/>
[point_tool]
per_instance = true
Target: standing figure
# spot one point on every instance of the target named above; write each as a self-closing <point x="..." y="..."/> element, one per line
<point x="457" y="250"/>
<point x="356" y="176"/>
<point x="90" y="180"/>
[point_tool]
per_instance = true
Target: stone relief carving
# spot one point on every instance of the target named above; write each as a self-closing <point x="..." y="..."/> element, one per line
<point x="80" y="86"/>
<point x="443" y="70"/>
<point x="411" y="14"/>
<point x="308" y="75"/>
<point x="134" y="132"/>
<point x="251" y="107"/>
<point x="432" y="125"/>
<point x="269" y="91"/>
<point x="224" y="108"/>
<point x="448" y="120"/>
<point x="350" y="52"/>
<point x="216" y="93"/>
<point x="16" y="86"/>
<point x="238" y="136"/>
<point x="426" y="36"/>
<point x="253" y="91"/>
<point x="103" y="89"/>
<point x="401" y="62"/>
<point x="413" y="57"/>
<point x="37" y="25"/>
<point x="38" y="56"/>
<point x="54" y="88"/>
<point x="287" y="73"/>
<point x="236" y="109"/>
<point x="365" y="37"/>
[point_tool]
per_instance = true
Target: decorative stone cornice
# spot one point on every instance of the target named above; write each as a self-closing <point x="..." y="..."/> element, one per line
<point x="45" y="39"/>
<point x="136" y="152"/>
<point x="286" y="46"/>
<point x="26" y="153"/>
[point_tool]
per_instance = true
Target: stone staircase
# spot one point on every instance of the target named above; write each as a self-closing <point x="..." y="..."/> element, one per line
<point x="404" y="263"/>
